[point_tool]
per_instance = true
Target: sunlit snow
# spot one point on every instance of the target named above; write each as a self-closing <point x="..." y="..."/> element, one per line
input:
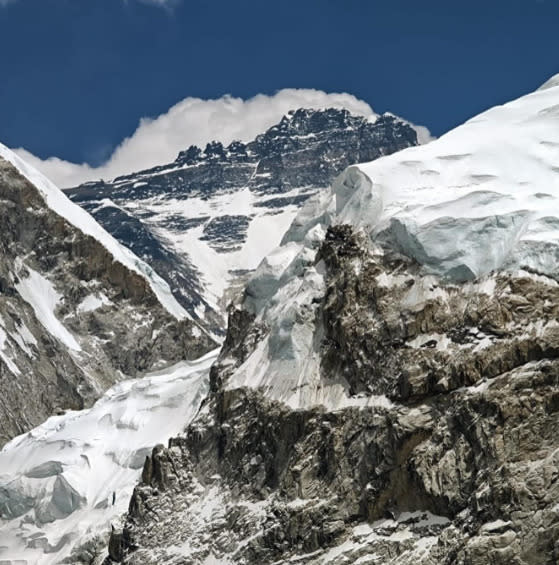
<point x="483" y="197"/>
<point x="57" y="481"/>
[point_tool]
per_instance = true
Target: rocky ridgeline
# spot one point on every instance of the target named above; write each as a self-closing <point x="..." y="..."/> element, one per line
<point x="445" y="450"/>
<point x="163" y="212"/>
<point x="73" y="320"/>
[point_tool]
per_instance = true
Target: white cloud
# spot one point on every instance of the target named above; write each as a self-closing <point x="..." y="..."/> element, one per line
<point x="423" y="134"/>
<point x="193" y="121"/>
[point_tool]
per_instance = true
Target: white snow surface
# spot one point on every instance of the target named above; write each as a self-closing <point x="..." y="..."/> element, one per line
<point x="482" y="198"/>
<point x="39" y="293"/>
<point x="57" y="201"/>
<point x="217" y="270"/>
<point x="93" y="302"/>
<point x="485" y="196"/>
<point x="551" y="83"/>
<point x="68" y="468"/>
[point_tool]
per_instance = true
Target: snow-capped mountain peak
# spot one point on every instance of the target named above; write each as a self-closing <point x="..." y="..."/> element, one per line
<point x="387" y="391"/>
<point x="208" y="218"/>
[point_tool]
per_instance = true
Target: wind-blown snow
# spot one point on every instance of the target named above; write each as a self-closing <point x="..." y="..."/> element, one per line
<point x="57" y="201"/>
<point x="482" y="198"/>
<point x="59" y="479"/>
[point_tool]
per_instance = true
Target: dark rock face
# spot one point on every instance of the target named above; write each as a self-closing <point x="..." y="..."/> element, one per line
<point x="449" y="457"/>
<point x="124" y="333"/>
<point x="133" y="232"/>
<point x="226" y="233"/>
<point x="455" y="343"/>
<point x="149" y="211"/>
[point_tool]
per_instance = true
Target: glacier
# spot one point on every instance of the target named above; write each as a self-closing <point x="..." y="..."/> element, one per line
<point x="66" y="481"/>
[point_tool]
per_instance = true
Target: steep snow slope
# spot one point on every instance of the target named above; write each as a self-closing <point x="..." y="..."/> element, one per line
<point x="57" y="481"/>
<point x="481" y="198"/>
<point x="57" y="201"/>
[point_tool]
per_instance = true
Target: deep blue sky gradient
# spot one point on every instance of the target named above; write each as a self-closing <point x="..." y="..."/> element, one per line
<point x="76" y="75"/>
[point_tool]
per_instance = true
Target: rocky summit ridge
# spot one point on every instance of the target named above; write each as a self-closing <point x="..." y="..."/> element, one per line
<point x="212" y="215"/>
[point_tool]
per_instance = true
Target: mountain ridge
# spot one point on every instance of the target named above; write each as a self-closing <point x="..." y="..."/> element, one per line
<point x="68" y="306"/>
<point x="215" y="213"/>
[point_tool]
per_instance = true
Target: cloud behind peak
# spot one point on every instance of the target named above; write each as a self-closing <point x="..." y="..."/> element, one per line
<point x="193" y="121"/>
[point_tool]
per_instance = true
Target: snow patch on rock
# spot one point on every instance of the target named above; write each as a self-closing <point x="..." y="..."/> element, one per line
<point x="93" y="302"/>
<point x="40" y="294"/>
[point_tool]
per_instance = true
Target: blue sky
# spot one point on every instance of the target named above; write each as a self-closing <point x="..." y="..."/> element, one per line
<point x="78" y="75"/>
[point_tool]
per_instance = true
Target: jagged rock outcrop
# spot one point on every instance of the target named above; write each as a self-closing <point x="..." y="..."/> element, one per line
<point x="443" y="451"/>
<point x="73" y="319"/>
<point x="206" y="219"/>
